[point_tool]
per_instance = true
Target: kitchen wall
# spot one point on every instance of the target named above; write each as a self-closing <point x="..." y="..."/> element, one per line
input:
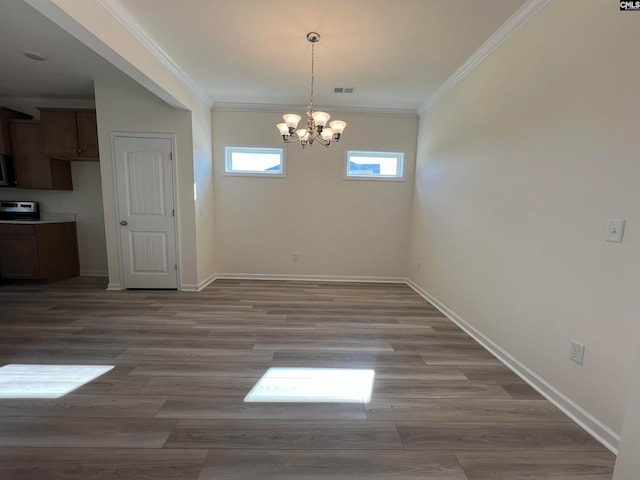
<point x="85" y="201"/>
<point x="518" y="169"/>
<point x="337" y="227"/>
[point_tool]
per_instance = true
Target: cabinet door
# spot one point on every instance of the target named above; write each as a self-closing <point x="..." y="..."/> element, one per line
<point x="60" y="132"/>
<point x="30" y="160"/>
<point x="87" y="134"/>
<point x="19" y="257"/>
<point x="34" y="169"/>
<point x="7" y="114"/>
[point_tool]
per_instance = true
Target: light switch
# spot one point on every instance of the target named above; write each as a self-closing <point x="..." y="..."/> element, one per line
<point x="615" y="229"/>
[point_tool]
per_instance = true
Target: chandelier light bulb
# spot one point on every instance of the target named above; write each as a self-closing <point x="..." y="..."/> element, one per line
<point x="284" y="129"/>
<point x="338" y="126"/>
<point x="321" y="118"/>
<point x="291" y="119"/>
<point x="327" y="133"/>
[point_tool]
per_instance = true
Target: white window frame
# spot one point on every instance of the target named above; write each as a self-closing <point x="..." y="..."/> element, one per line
<point x="400" y="177"/>
<point x="229" y="150"/>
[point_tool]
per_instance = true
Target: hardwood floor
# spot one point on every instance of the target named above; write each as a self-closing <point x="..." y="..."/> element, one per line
<point x="172" y="408"/>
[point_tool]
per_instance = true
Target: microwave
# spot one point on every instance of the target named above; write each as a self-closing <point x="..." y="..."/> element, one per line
<point x="7" y="173"/>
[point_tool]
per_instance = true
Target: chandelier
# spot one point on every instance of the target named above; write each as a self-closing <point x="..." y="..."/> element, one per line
<point x="316" y="128"/>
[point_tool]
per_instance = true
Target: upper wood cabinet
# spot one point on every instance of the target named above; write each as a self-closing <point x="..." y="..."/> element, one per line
<point x="7" y="114"/>
<point x="34" y="168"/>
<point x="70" y="134"/>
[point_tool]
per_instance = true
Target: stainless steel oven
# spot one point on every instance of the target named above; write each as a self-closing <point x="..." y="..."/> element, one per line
<point x="19" y="210"/>
<point x="7" y="174"/>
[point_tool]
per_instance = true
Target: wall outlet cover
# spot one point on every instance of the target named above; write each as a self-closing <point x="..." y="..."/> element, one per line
<point x="615" y="230"/>
<point x="576" y="352"/>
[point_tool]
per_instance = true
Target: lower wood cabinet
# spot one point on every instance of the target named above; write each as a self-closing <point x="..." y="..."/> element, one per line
<point x="43" y="251"/>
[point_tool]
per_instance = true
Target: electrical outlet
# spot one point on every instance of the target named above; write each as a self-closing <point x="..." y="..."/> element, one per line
<point x="418" y="265"/>
<point x="295" y="257"/>
<point x="576" y="352"/>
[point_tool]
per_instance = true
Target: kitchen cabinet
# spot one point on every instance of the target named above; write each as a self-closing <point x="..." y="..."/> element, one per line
<point x="39" y="250"/>
<point x="70" y="134"/>
<point x="34" y="169"/>
<point x="7" y="114"/>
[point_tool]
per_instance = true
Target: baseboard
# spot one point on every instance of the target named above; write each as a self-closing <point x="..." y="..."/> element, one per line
<point x="115" y="286"/>
<point x="308" y="278"/>
<point x="94" y="273"/>
<point x="588" y="422"/>
<point x="186" y="287"/>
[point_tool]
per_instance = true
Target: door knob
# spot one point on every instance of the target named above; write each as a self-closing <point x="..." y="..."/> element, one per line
<point x="124" y="223"/>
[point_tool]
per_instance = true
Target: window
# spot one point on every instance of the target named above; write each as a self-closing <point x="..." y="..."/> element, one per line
<point x="375" y="165"/>
<point x="254" y="161"/>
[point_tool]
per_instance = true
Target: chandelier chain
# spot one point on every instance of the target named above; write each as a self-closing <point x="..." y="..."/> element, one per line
<point x="313" y="55"/>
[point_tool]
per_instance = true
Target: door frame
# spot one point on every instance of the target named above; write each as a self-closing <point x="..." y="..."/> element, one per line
<point x="172" y="138"/>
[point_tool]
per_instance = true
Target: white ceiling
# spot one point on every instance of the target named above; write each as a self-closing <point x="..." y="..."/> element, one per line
<point x="396" y="54"/>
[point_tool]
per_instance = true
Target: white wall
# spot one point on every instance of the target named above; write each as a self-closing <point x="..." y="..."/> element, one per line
<point x="338" y="227"/>
<point x="124" y="106"/>
<point x="518" y="169"/>
<point x="203" y="197"/>
<point x="628" y="462"/>
<point x="85" y="201"/>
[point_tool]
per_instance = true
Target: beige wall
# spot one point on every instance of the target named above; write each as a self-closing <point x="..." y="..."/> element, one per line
<point x="124" y="106"/>
<point x="338" y="227"/>
<point x="85" y="201"/>
<point x="203" y="197"/>
<point x="628" y="462"/>
<point x="518" y="169"/>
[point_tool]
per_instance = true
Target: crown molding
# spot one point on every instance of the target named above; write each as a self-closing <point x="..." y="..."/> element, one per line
<point x="512" y="25"/>
<point x="281" y="108"/>
<point x="119" y="11"/>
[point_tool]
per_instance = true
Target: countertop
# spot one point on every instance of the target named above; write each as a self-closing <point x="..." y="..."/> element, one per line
<point x="34" y="222"/>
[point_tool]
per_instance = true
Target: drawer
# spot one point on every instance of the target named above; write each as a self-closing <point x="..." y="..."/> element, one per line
<point x="14" y="229"/>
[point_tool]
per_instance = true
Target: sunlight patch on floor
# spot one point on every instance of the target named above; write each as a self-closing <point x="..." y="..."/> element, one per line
<point x="46" y="381"/>
<point x="317" y="385"/>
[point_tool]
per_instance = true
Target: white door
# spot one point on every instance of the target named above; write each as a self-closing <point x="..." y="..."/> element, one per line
<point x="145" y="189"/>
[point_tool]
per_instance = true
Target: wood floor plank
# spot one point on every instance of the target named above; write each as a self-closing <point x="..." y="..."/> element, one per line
<point x="495" y="436"/>
<point x="100" y="463"/>
<point x="84" y="432"/>
<point x="142" y="354"/>
<point x="235" y="387"/>
<point x="418" y="372"/>
<point x="537" y="465"/>
<point x="457" y="410"/>
<point x="343" y="358"/>
<point x="74" y="405"/>
<point x="201" y="369"/>
<point x="230" y="408"/>
<point x="401" y="388"/>
<point x="335" y="346"/>
<point x="330" y="465"/>
<point x="294" y="434"/>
